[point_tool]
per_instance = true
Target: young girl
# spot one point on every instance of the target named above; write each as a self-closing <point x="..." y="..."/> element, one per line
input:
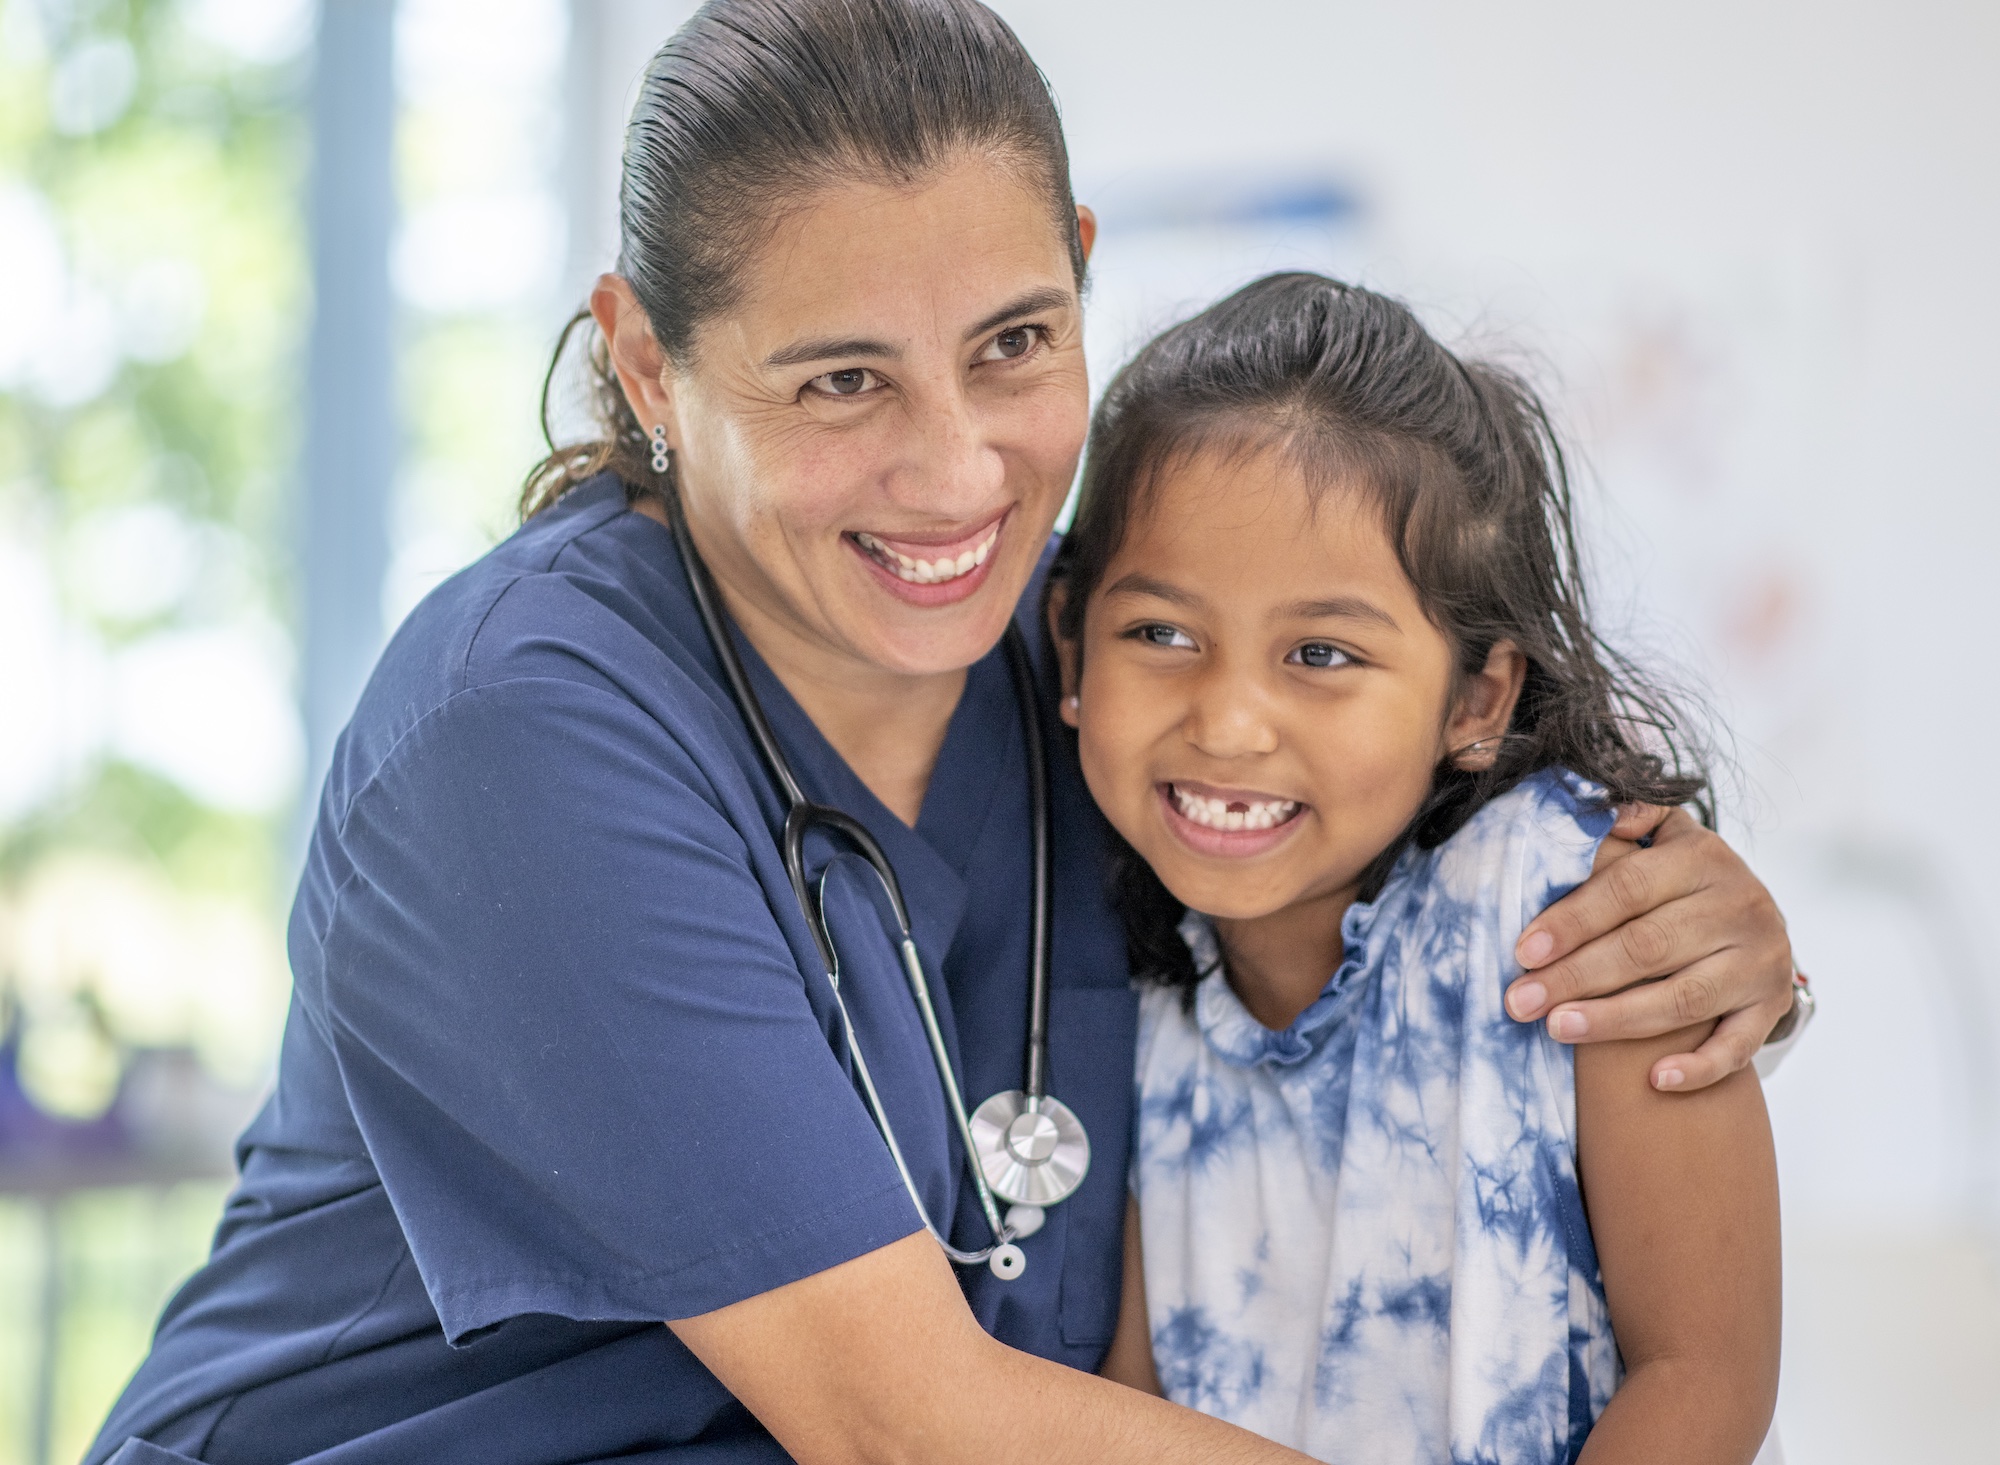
<point x="1329" y="661"/>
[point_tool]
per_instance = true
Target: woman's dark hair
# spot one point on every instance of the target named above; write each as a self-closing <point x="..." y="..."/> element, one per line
<point x="752" y="106"/>
<point x="1465" y="470"/>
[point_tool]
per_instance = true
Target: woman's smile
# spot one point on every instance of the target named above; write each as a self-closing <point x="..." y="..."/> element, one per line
<point x="936" y="568"/>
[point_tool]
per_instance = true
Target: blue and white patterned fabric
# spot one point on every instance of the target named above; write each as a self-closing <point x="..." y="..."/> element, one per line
<point x="1363" y="1235"/>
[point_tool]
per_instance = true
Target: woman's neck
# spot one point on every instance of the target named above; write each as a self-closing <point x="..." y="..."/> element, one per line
<point x="1277" y="964"/>
<point x="887" y="727"/>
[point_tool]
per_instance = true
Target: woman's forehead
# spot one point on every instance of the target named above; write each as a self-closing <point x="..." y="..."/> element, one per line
<point x="882" y="265"/>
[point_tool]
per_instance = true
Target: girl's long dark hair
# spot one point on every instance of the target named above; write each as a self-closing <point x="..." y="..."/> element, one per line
<point x="1473" y="490"/>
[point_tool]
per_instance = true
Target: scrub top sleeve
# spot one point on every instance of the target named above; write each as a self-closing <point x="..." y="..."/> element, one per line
<point x="572" y="1032"/>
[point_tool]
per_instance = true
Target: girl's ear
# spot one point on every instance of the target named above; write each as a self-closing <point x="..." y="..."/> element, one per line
<point x="1485" y="708"/>
<point x="1068" y="658"/>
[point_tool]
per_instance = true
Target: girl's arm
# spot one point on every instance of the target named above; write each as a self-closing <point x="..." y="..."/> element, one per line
<point x="1130" y="1361"/>
<point x="1682" y="1193"/>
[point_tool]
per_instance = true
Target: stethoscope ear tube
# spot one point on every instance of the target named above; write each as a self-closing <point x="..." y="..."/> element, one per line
<point x="1036" y="1080"/>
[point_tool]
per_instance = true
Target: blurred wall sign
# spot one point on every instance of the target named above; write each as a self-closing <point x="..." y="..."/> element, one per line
<point x="1248" y="199"/>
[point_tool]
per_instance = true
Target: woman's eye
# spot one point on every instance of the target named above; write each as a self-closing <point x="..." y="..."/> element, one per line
<point x="1013" y="343"/>
<point x="1157" y="635"/>
<point x="1318" y="653"/>
<point x="849" y="383"/>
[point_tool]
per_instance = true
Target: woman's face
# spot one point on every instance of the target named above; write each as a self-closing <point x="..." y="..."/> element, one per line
<point x="873" y="443"/>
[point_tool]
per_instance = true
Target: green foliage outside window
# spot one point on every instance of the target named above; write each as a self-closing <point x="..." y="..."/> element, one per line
<point x="153" y="304"/>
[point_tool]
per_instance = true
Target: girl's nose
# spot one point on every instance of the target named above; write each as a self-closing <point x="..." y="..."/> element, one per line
<point x="1227" y="719"/>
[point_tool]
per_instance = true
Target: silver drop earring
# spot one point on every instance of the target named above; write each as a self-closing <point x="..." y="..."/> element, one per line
<point x="662" y="455"/>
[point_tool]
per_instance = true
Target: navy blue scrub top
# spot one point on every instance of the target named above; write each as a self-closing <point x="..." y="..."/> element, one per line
<point x="558" y="1062"/>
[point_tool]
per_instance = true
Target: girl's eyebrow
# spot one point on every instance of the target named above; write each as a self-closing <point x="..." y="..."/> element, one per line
<point x="1138" y="584"/>
<point x="1340" y="608"/>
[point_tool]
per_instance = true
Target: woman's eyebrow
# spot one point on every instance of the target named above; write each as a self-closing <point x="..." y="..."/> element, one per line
<point x="1340" y="608"/>
<point x="823" y="348"/>
<point x="829" y="346"/>
<point x="1046" y="298"/>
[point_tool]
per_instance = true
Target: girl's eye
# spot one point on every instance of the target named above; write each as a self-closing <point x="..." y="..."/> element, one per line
<point x="1012" y="343"/>
<point x="1318" y="654"/>
<point x="849" y="383"/>
<point x="1159" y="635"/>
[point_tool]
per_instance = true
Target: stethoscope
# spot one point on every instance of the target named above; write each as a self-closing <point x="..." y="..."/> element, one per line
<point x="1023" y="1146"/>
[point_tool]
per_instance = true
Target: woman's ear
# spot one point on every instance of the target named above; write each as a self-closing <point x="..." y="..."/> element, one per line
<point x="635" y="354"/>
<point x="1086" y="230"/>
<point x="1068" y="653"/>
<point x="1484" y="709"/>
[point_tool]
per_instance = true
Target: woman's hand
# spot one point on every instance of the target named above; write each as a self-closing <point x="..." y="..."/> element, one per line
<point x="1687" y="910"/>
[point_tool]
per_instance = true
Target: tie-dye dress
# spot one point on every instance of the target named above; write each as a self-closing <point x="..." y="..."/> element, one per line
<point x="1363" y="1235"/>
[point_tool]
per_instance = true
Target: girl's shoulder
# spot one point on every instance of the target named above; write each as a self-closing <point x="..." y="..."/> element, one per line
<point x="1552" y="819"/>
<point x="1520" y="853"/>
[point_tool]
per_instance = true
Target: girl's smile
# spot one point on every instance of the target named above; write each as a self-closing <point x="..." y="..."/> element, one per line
<point x="1226" y="822"/>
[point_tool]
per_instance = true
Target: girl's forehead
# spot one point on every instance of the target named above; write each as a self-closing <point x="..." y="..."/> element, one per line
<point x="1248" y="536"/>
<point x="1256" y="499"/>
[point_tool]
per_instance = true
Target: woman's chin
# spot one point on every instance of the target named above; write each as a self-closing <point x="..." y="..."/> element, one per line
<point x="928" y="635"/>
<point x="934" y="642"/>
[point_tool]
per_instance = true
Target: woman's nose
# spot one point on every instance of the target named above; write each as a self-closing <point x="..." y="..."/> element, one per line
<point x="955" y="470"/>
<point x="1228" y="718"/>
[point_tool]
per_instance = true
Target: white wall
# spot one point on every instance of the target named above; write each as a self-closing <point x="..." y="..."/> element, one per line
<point x="1749" y="247"/>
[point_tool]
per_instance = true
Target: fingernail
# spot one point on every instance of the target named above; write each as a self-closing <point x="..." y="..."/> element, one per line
<point x="1535" y="948"/>
<point x="1526" y="999"/>
<point x="1670" y="1078"/>
<point x="1568" y="1026"/>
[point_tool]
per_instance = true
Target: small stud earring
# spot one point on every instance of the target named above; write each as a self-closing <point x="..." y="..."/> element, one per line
<point x="662" y="455"/>
<point x="1475" y="753"/>
<point x="1072" y="702"/>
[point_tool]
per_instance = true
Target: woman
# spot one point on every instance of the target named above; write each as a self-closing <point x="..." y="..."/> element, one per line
<point x="563" y="1060"/>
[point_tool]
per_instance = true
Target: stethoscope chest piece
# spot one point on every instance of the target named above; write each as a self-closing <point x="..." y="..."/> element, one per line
<point x="1033" y="1152"/>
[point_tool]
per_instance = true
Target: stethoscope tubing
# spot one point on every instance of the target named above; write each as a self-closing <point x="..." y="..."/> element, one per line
<point x="802" y="814"/>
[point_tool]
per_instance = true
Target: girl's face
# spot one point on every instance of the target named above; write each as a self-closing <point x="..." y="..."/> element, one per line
<point x="873" y="442"/>
<point x="1262" y="700"/>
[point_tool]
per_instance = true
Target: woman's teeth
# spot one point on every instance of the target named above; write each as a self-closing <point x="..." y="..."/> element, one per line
<point x="928" y="572"/>
<point x="1236" y="814"/>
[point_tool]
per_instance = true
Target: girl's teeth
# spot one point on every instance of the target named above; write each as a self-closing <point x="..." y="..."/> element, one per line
<point x="1216" y="814"/>
<point x="928" y="572"/>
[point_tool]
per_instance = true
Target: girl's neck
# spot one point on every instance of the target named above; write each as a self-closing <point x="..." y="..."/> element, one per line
<point x="1277" y="964"/>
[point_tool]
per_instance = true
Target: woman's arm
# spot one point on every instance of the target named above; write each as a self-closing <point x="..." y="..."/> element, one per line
<point x="1682" y="1194"/>
<point x="1130" y="1361"/>
<point x="1687" y="909"/>
<point x="879" y="1360"/>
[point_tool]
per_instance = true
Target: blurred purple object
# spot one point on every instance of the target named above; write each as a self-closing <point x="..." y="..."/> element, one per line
<point x="170" y="1122"/>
